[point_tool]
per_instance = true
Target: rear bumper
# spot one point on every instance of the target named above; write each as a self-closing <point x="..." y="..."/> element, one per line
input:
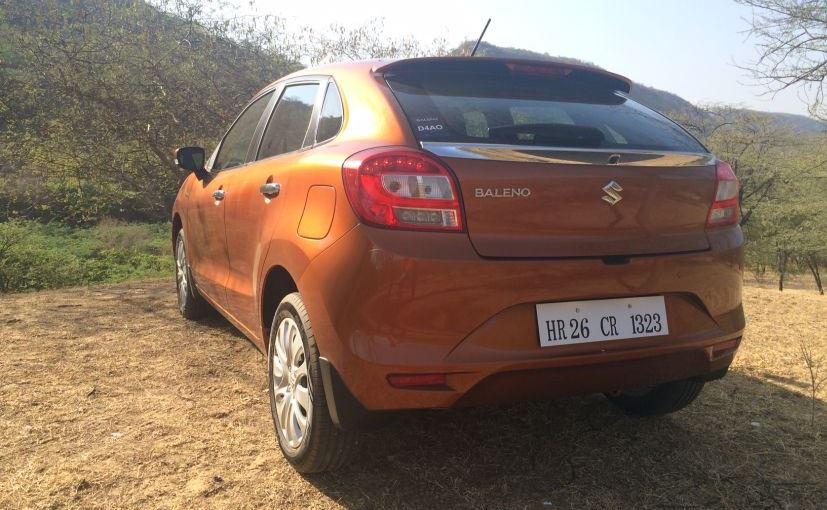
<point x="597" y="375"/>
<point x="386" y="302"/>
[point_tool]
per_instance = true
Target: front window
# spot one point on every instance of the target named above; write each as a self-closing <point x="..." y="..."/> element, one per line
<point x="233" y="151"/>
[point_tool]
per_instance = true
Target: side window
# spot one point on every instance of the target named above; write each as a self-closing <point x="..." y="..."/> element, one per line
<point x="233" y="151"/>
<point x="539" y="115"/>
<point x="288" y="126"/>
<point x="476" y="124"/>
<point x="330" y="118"/>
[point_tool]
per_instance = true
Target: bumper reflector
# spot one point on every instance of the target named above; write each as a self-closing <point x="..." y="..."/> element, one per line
<point x="425" y="381"/>
<point x="725" y="348"/>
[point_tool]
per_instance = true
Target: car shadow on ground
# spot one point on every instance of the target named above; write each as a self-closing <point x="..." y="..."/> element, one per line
<point x="747" y="442"/>
<point x="187" y="415"/>
<point x="744" y="443"/>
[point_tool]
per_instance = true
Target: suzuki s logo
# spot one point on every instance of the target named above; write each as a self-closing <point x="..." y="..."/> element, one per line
<point x="612" y="196"/>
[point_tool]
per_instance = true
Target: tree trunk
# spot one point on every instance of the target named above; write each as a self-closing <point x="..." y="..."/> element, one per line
<point x="812" y="262"/>
<point x="782" y="268"/>
<point x="760" y="271"/>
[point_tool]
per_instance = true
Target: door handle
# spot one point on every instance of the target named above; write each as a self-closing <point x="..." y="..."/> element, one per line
<point x="270" y="189"/>
<point x="218" y="194"/>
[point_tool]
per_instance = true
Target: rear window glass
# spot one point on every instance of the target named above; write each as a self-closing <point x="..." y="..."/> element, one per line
<point x="330" y="118"/>
<point x="526" y="109"/>
<point x="288" y="125"/>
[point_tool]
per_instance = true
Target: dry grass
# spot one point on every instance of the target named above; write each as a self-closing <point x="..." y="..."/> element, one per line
<point x="108" y="399"/>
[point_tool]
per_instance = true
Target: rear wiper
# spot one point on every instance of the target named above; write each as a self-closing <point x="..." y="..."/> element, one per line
<point x="565" y="135"/>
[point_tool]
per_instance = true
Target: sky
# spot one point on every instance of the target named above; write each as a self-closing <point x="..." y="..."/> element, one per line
<point x="690" y="48"/>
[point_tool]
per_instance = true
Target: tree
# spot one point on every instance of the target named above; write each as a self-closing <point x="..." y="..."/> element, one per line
<point x="367" y="41"/>
<point x="782" y="177"/>
<point x="754" y="145"/>
<point x="792" y="47"/>
<point x="100" y="92"/>
<point x="95" y="94"/>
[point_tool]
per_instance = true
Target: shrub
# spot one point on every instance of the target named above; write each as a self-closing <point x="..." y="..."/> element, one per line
<point x="31" y="268"/>
<point x="35" y="256"/>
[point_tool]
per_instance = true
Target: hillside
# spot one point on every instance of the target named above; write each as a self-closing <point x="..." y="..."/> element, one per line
<point x="660" y="100"/>
<point x="95" y="94"/>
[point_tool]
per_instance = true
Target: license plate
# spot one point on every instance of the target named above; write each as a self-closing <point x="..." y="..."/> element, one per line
<point x="577" y="322"/>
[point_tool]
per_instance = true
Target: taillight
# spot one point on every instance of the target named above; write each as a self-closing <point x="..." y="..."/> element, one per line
<point x="402" y="188"/>
<point x="724" y="209"/>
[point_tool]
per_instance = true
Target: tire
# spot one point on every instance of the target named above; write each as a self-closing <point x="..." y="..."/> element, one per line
<point x="190" y="303"/>
<point x="297" y="395"/>
<point x="658" y="400"/>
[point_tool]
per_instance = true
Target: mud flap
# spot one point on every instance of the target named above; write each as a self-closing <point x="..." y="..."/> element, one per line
<point x="345" y="411"/>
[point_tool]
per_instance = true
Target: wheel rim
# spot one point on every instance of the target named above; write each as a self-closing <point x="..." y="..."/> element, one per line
<point x="291" y="384"/>
<point x="181" y="273"/>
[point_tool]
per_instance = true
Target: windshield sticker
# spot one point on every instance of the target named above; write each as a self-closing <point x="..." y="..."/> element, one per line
<point x="429" y="125"/>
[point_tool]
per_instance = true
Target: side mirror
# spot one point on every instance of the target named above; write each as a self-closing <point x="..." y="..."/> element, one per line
<point x="191" y="159"/>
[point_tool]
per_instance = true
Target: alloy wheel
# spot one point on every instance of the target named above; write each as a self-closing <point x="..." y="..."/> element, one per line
<point x="181" y="273"/>
<point x="291" y="384"/>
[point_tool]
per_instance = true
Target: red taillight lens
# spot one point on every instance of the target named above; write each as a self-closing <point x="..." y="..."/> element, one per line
<point x="724" y="209"/>
<point x="402" y="188"/>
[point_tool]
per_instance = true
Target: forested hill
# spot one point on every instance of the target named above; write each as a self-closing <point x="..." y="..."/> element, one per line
<point x="95" y="94"/>
<point x="660" y="100"/>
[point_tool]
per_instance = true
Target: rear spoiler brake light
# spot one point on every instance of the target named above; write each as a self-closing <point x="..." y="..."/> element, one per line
<point x="507" y="65"/>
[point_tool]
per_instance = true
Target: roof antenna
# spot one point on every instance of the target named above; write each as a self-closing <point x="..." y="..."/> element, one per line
<point x="481" y="36"/>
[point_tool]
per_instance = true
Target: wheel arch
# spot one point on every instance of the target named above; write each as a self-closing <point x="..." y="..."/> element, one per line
<point x="345" y="410"/>
<point x="177" y="225"/>
<point x="277" y="283"/>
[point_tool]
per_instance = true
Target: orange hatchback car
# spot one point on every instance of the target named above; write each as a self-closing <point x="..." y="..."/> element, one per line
<point x="441" y="232"/>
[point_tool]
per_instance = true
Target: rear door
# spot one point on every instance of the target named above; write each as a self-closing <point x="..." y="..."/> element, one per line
<point x="261" y="191"/>
<point x="205" y="228"/>
<point x="552" y="164"/>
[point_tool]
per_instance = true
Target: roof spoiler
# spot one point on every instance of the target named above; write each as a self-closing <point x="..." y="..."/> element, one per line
<point x="575" y="72"/>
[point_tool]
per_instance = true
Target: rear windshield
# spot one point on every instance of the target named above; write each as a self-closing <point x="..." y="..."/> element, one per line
<point x="531" y="109"/>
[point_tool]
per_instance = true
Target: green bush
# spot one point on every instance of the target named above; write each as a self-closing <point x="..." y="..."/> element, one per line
<point x="35" y="256"/>
<point x="31" y="268"/>
<point x="115" y="265"/>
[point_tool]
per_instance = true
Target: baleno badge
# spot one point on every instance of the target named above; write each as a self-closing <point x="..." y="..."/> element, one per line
<point x="502" y="192"/>
<point x="612" y="196"/>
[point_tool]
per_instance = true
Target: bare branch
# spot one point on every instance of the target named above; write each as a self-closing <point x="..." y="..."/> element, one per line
<point x="791" y="41"/>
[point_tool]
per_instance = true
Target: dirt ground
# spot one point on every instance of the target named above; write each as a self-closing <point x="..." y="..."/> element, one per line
<point x="108" y="399"/>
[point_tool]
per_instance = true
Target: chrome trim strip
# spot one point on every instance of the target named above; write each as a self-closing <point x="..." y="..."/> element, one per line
<point x="569" y="156"/>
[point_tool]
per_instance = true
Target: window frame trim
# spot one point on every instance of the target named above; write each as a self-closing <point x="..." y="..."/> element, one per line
<point x="311" y="128"/>
<point x="263" y="92"/>
<point x="316" y="141"/>
<point x="567" y="155"/>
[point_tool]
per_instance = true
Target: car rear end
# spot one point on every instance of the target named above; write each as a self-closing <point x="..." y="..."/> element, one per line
<point x="545" y="235"/>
